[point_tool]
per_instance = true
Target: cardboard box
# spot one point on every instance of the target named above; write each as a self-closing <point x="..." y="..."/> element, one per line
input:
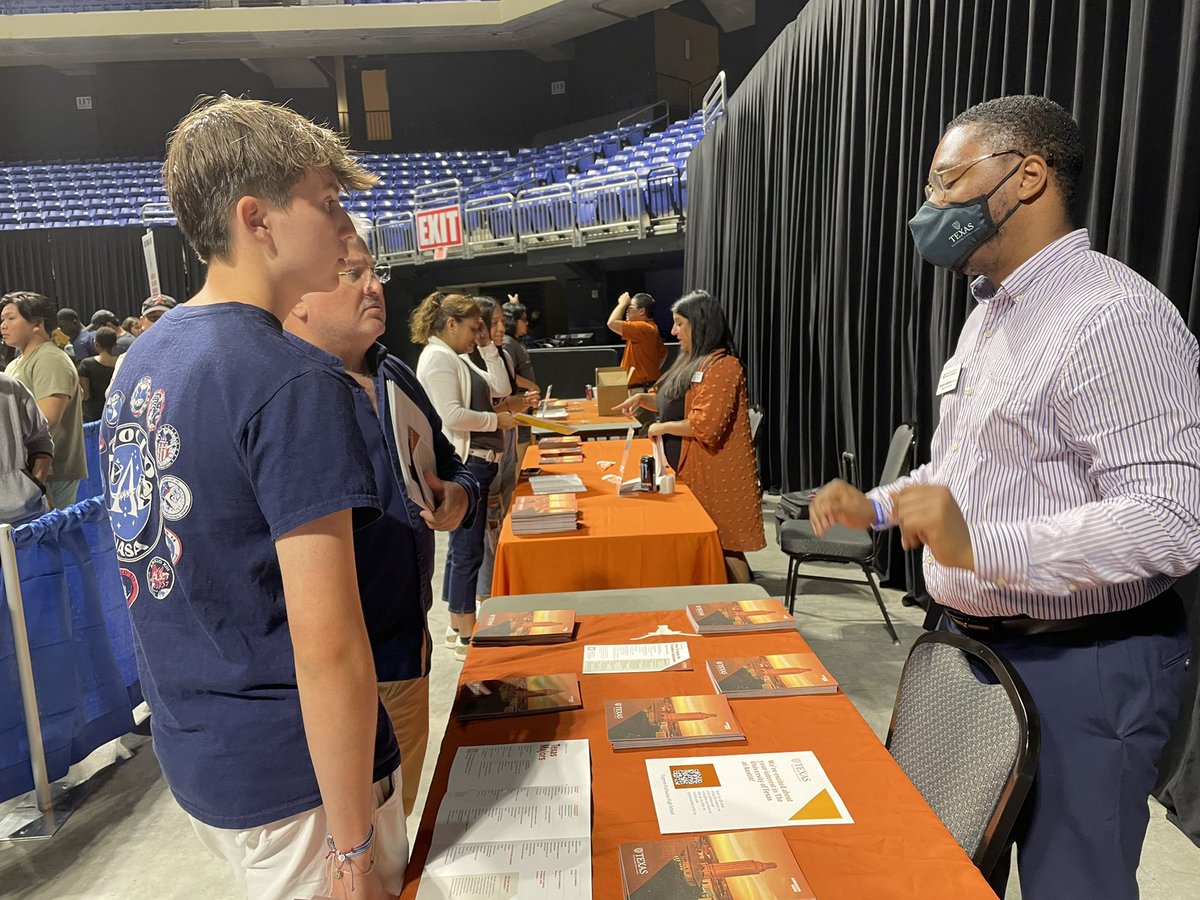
<point x="612" y="387"/>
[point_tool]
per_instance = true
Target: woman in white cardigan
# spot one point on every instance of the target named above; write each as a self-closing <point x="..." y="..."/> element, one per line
<point x="450" y="325"/>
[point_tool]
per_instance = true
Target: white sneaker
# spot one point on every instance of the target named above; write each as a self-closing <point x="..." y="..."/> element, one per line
<point x="460" y="649"/>
<point x="451" y="636"/>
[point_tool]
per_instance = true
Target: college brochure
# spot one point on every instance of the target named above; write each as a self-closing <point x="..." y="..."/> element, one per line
<point x="740" y="617"/>
<point x="774" y="675"/>
<point x="516" y="695"/>
<point x="670" y="722"/>
<point x="673" y="656"/>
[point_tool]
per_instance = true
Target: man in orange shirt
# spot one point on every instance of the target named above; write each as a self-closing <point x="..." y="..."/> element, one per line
<point x="633" y="320"/>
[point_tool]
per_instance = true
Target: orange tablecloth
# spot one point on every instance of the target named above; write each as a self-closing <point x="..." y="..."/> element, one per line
<point x="583" y="415"/>
<point x="648" y="540"/>
<point x="896" y="848"/>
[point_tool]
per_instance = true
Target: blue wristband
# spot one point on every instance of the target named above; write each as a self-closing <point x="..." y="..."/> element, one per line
<point x="880" y="521"/>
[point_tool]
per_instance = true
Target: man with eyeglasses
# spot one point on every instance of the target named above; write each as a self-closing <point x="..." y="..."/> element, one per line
<point x="1062" y="497"/>
<point x="394" y="555"/>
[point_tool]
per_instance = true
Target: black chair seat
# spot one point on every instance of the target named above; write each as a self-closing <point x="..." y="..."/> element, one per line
<point x="796" y="538"/>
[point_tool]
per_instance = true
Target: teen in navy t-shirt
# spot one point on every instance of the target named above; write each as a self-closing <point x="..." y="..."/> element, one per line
<point x="207" y="464"/>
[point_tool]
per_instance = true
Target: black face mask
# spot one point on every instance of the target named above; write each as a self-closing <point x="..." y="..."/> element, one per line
<point x="946" y="236"/>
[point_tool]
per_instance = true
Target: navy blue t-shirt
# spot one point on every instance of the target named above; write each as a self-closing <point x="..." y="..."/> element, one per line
<point x="219" y="436"/>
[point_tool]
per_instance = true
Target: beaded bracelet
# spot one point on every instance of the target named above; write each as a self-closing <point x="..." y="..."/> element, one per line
<point x="338" y="859"/>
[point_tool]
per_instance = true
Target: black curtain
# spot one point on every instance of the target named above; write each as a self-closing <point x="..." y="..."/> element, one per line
<point x="93" y="268"/>
<point x="800" y="196"/>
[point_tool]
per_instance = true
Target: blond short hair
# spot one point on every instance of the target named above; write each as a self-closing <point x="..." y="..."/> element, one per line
<point x="227" y="148"/>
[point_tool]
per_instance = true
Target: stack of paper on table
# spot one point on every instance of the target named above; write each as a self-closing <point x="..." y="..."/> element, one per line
<point x="546" y="424"/>
<point x="777" y="675"/>
<point x="551" y="456"/>
<point x="560" y="442"/>
<point x="740" y="617"/>
<point x="552" y="409"/>
<point x="544" y="514"/>
<point x="673" y="656"/>
<point x="670" y="722"/>
<point x="756" y="864"/>
<point x="515" y="822"/>
<point x="517" y="695"/>
<point x="557" y="484"/>
<point x="539" y="626"/>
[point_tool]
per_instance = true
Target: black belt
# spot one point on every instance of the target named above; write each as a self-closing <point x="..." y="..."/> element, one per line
<point x="1161" y="615"/>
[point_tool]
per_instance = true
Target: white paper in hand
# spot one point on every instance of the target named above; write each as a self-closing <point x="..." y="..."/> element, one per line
<point x="414" y="440"/>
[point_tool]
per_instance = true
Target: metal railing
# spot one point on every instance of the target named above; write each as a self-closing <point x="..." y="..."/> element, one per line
<point x="546" y="216"/>
<point x="394" y="238"/>
<point x="157" y="214"/>
<point x="714" y="101"/>
<point x="664" y="198"/>
<point x="491" y="224"/>
<point x="610" y="206"/>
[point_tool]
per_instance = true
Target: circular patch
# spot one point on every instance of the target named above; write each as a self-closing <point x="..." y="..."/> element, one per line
<point x="160" y="578"/>
<point x="166" y="446"/>
<point x="112" y="407"/>
<point x="176" y="498"/>
<point x="133" y="493"/>
<point x="154" y="409"/>
<point x="140" y="396"/>
<point x="174" y="547"/>
<point x="129" y="583"/>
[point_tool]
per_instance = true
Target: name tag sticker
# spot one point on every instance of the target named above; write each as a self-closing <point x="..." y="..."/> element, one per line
<point x="697" y="377"/>
<point x="949" y="380"/>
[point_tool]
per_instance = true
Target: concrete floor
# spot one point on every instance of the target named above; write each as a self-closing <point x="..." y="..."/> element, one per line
<point x="131" y="841"/>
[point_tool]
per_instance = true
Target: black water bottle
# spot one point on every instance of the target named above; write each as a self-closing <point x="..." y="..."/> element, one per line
<point x="647" y="473"/>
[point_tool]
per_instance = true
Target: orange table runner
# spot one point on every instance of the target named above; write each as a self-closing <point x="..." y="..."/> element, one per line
<point x="896" y="848"/>
<point x="649" y="540"/>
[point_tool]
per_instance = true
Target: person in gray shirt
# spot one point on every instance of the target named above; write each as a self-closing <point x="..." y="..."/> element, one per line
<point x="26" y="451"/>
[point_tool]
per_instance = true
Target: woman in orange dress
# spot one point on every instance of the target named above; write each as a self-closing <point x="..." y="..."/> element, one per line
<point x="704" y="424"/>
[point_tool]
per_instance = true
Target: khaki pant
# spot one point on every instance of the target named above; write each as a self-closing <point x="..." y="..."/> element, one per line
<point x="285" y="860"/>
<point x="407" y="705"/>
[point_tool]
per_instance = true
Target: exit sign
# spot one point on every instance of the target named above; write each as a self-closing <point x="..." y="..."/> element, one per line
<point x="83" y="102"/>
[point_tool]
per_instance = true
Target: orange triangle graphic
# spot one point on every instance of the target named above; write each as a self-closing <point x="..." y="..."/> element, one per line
<point x="819" y="807"/>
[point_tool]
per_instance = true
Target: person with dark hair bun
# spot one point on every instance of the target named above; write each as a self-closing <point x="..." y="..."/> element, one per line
<point x="704" y="424"/>
<point x="1062" y="496"/>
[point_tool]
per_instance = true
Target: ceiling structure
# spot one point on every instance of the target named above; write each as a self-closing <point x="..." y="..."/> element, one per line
<point x="541" y="27"/>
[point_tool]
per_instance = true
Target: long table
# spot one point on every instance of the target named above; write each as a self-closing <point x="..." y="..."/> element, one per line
<point x="584" y="416"/>
<point x="647" y="540"/>
<point x="896" y="848"/>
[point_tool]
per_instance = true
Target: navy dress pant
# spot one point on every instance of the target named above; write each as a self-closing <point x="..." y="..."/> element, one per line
<point x="465" y="554"/>
<point x="1107" y="703"/>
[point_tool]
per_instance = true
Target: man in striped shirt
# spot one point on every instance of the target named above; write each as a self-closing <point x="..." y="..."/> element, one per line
<point x="1062" y="497"/>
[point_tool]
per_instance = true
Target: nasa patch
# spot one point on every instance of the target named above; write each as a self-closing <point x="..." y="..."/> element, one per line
<point x="133" y="501"/>
<point x="129" y="584"/>
<point x="174" y="546"/>
<point x="154" y="409"/>
<point x="112" y="407"/>
<point x="166" y="446"/>
<point x="176" y="498"/>
<point x="140" y="396"/>
<point x="160" y="578"/>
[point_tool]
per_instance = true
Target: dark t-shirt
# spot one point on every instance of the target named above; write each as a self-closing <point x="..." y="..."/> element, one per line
<point x="519" y="354"/>
<point x="220" y="436"/>
<point x="671" y="411"/>
<point x="124" y="342"/>
<point x="98" y="376"/>
<point x="481" y="401"/>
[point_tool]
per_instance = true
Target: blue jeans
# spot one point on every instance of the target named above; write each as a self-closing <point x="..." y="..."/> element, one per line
<point x="1106" y="707"/>
<point x="466" y="549"/>
<point x="499" y="498"/>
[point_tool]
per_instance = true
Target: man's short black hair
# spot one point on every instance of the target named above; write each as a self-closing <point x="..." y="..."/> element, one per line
<point x="67" y="313"/>
<point x="644" y="302"/>
<point x="1032" y="124"/>
<point x="106" y="338"/>
<point x="33" y="307"/>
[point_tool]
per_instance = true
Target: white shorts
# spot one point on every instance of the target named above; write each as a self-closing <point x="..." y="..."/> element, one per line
<point x="285" y="860"/>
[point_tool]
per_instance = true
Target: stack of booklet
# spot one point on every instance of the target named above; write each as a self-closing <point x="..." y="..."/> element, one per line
<point x="740" y="617"/>
<point x="538" y="626"/>
<point x="670" y="722"/>
<point x="557" y="484"/>
<point x="552" y="409"/>
<point x="778" y="675"/>
<point x="740" y="864"/>
<point x="544" y="514"/>
<point x="517" y="695"/>
<point x="553" y="451"/>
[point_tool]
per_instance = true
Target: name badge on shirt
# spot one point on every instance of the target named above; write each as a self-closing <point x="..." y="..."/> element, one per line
<point x="697" y="377"/>
<point x="949" y="380"/>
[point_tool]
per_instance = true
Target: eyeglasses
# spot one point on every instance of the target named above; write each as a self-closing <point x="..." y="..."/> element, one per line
<point x="354" y="276"/>
<point x="937" y="187"/>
